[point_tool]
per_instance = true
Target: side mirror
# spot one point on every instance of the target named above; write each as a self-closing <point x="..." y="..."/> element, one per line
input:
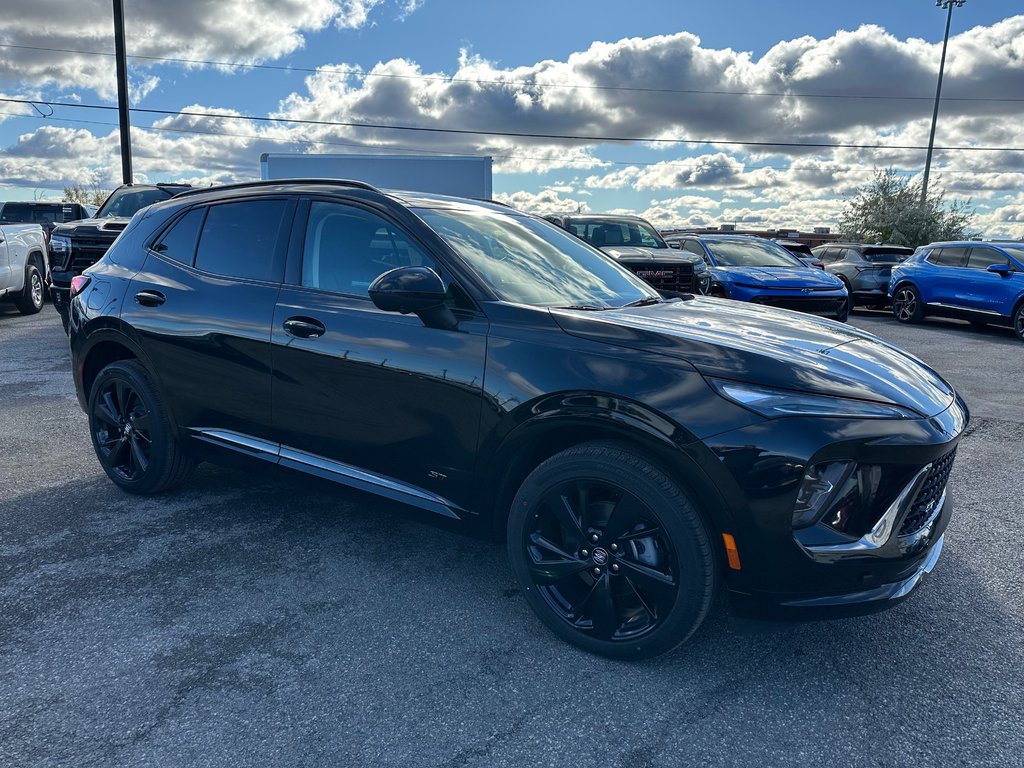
<point x="1003" y="270"/>
<point x="418" y="290"/>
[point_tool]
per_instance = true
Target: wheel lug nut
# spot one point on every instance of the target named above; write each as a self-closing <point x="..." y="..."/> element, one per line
<point x="594" y="537"/>
<point x="597" y="571"/>
<point x="614" y="547"/>
<point x="615" y="569"/>
<point x="584" y="553"/>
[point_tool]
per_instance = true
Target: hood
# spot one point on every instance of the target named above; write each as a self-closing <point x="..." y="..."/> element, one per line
<point x="771" y="347"/>
<point x="782" y="277"/>
<point x="109" y="227"/>
<point x="631" y="253"/>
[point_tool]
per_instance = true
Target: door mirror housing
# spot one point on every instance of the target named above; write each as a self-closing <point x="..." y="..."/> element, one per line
<point x="1003" y="270"/>
<point x="417" y="290"/>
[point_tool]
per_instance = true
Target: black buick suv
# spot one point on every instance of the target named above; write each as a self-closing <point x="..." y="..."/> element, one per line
<point x="499" y="375"/>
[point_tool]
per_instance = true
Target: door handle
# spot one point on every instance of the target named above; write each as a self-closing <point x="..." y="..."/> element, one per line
<point x="150" y="298"/>
<point x="304" y="327"/>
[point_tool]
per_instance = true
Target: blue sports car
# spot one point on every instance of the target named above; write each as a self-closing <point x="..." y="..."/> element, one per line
<point x="980" y="282"/>
<point x="763" y="272"/>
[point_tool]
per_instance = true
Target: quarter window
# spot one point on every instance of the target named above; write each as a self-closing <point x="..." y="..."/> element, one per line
<point x="348" y="248"/>
<point x="240" y="239"/>
<point x="179" y="242"/>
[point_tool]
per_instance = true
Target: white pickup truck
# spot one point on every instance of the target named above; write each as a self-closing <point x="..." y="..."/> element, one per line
<point x="24" y="266"/>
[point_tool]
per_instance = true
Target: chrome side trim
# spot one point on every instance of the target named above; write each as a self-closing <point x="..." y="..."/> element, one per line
<point x="878" y="536"/>
<point x="336" y="471"/>
<point x="367" y="481"/>
<point x="958" y="308"/>
<point x="236" y="441"/>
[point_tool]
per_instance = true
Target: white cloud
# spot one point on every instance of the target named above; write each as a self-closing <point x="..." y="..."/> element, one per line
<point x="541" y="203"/>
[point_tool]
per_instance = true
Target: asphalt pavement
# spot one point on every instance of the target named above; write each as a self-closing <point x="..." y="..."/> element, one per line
<point x="255" y="619"/>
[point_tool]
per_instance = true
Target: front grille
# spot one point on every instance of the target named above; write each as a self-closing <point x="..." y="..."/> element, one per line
<point x="668" y="277"/>
<point x="86" y="251"/>
<point x="928" y="497"/>
<point x="831" y="307"/>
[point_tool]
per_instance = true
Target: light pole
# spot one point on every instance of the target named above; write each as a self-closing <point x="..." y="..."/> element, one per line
<point x="121" y="61"/>
<point x="947" y="5"/>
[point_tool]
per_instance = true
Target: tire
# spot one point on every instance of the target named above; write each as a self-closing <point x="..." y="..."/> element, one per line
<point x="844" y="316"/>
<point x="131" y="432"/>
<point x="60" y="303"/>
<point x="30" y="300"/>
<point x="718" y="292"/>
<point x="655" y="575"/>
<point x="906" y="304"/>
<point x="1018" y="321"/>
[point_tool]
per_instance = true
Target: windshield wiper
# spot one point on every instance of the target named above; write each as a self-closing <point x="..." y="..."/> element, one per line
<point x="644" y="302"/>
<point x="586" y="307"/>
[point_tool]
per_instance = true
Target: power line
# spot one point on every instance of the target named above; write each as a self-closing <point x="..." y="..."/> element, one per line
<point x="350" y="71"/>
<point x="507" y="134"/>
<point x="509" y="156"/>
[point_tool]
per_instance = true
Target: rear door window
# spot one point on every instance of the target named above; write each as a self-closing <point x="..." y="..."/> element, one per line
<point x="949" y="257"/>
<point x="241" y="239"/>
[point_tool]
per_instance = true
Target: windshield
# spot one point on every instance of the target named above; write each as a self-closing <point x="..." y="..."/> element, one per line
<point x="886" y="255"/>
<point x="527" y="261"/>
<point x="751" y="253"/>
<point x="125" y="203"/>
<point x="612" y="232"/>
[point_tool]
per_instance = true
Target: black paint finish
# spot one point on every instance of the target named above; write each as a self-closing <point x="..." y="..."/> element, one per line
<point x="452" y="419"/>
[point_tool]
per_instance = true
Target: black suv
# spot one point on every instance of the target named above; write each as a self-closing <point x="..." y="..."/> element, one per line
<point x="637" y="246"/>
<point x="80" y="244"/>
<point x="506" y="378"/>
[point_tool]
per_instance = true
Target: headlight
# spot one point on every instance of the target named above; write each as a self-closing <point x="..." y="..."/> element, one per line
<point x="60" y="244"/>
<point x="776" y="403"/>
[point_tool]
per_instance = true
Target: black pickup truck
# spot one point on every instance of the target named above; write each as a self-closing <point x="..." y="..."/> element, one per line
<point x="76" y="246"/>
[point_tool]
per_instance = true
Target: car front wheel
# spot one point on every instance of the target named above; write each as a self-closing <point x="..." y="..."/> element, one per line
<point x="131" y="431"/>
<point x="1018" y="322"/>
<point x="906" y="305"/>
<point x="610" y="552"/>
<point x="30" y="300"/>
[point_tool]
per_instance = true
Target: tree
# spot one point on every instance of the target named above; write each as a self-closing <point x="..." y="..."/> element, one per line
<point x="92" y="196"/>
<point x="888" y="210"/>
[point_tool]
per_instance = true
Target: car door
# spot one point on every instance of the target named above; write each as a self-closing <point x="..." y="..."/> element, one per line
<point x="943" y="282"/>
<point x="370" y="398"/>
<point x="203" y="305"/>
<point x="990" y="292"/>
<point x="6" y="275"/>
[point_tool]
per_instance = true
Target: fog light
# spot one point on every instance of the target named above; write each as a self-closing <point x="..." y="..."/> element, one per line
<point x="817" y="488"/>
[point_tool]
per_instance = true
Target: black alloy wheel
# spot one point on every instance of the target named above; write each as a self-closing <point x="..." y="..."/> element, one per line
<point x="906" y="305"/>
<point x="610" y="553"/>
<point x="131" y="432"/>
<point x="1018" y="321"/>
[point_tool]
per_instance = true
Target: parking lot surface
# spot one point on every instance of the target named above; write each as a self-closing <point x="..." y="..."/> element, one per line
<point x="267" y="619"/>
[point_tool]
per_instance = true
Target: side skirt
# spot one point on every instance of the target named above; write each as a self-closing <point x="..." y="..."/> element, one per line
<point x="336" y="471"/>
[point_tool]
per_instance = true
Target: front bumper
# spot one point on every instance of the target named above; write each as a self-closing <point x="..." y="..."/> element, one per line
<point x="828" y="303"/>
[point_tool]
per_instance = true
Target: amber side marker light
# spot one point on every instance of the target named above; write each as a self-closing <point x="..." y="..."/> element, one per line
<point x="731" y="552"/>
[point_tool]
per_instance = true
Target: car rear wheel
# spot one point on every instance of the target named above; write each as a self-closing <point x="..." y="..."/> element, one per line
<point x="30" y="300"/>
<point x="131" y="431"/>
<point x="610" y="552"/>
<point x="906" y="305"/>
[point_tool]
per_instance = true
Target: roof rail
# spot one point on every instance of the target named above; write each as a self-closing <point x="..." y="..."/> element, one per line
<point x="274" y="182"/>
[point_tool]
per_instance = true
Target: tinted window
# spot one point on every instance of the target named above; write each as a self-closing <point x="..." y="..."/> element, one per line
<point x="20" y="213"/>
<point x="179" y="242"/>
<point x="348" y="248"/>
<point x="605" y="234"/>
<point x="983" y="258"/>
<point x="240" y="239"/>
<point x="830" y="255"/>
<point x="751" y="253"/>
<point x="126" y="202"/>
<point x="948" y="257"/>
<point x="694" y="247"/>
<point x="887" y="255"/>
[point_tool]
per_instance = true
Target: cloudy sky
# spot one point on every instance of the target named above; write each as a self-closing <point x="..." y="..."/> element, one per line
<point x="698" y="96"/>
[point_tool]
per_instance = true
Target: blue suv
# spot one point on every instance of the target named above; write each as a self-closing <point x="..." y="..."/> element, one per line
<point x="763" y="272"/>
<point x="980" y="282"/>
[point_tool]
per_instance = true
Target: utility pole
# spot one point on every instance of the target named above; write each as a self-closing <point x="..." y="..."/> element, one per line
<point x="948" y="6"/>
<point x="122" y="92"/>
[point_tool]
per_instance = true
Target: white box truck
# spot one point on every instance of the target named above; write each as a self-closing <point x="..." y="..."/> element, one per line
<point x="440" y="174"/>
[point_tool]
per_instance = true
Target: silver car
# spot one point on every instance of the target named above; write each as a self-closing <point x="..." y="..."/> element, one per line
<point x="864" y="269"/>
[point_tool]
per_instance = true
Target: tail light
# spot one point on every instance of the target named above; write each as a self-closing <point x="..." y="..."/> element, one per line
<point x="78" y="283"/>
